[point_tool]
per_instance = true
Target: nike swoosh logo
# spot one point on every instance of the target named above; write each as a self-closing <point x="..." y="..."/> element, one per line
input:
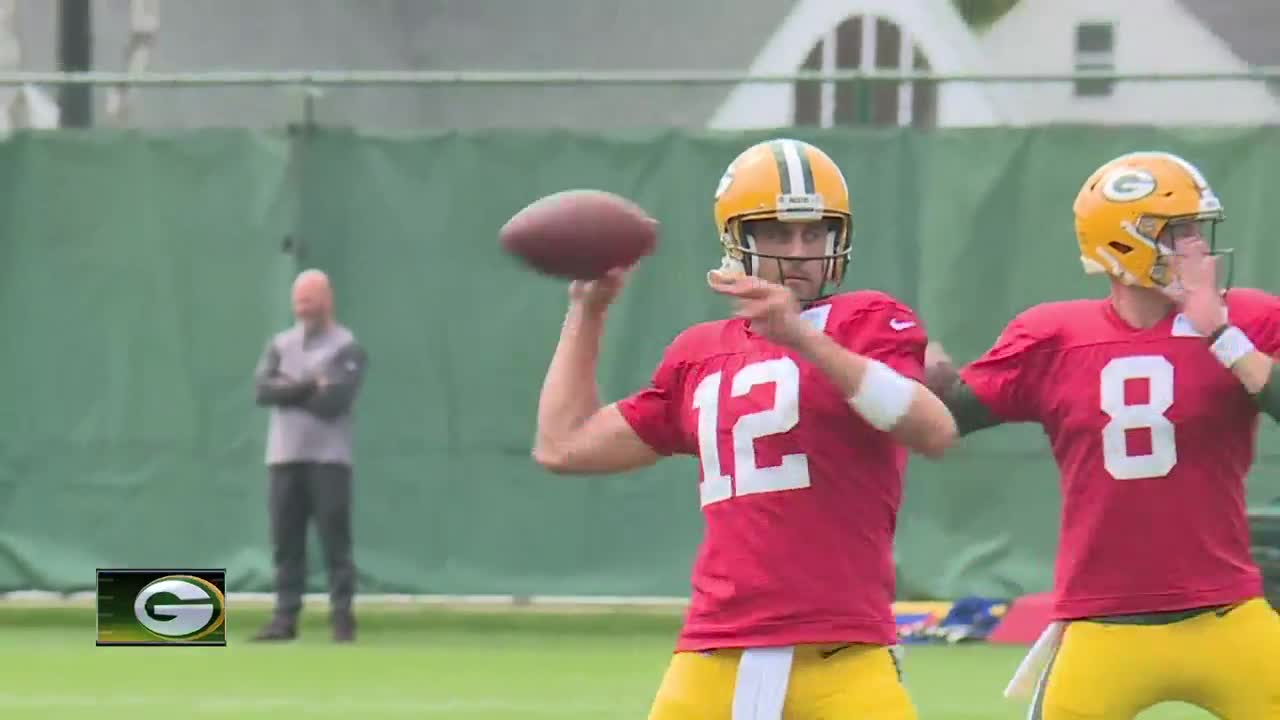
<point x="826" y="654"/>
<point x="901" y="325"/>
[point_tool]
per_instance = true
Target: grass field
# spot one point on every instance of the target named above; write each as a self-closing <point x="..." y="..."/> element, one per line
<point x="416" y="662"/>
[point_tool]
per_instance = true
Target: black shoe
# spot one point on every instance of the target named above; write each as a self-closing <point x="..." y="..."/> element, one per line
<point x="344" y="630"/>
<point x="276" y="632"/>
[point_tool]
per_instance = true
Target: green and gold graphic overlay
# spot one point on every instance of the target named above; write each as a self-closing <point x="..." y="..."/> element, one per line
<point x="162" y="607"/>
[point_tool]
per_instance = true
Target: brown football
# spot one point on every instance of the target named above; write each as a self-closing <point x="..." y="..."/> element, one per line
<point x="579" y="234"/>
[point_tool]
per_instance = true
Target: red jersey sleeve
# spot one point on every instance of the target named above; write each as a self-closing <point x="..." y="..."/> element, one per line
<point x="654" y="412"/>
<point x="1006" y="378"/>
<point x="1257" y="313"/>
<point x="888" y="331"/>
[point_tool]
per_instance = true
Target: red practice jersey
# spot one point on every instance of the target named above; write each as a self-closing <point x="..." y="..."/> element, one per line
<point x="800" y="495"/>
<point x="1153" y="438"/>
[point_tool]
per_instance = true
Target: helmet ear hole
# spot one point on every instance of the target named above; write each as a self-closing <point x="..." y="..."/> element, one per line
<point x="1120" y="247"/>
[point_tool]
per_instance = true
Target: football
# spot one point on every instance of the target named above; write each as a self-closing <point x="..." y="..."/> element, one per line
<point x="579" y="234"/>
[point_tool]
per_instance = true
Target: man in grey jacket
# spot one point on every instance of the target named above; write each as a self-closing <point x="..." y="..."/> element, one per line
<point x="309" y="376"/>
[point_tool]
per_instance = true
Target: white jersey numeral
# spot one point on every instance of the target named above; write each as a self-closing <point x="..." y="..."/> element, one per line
<point x="1149" y="415"/>
<point x="791" y="474"/>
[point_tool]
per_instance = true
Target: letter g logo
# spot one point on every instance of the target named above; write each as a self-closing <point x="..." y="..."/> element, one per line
<point x="180" y="607"/>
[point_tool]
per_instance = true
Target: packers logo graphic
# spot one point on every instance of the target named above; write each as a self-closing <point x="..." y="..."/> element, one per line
<point x="1127" y="185"/>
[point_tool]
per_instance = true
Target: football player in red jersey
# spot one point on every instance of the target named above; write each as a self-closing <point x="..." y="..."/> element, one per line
<point x="801" y="410"/>
<point x="1150" y="400"/>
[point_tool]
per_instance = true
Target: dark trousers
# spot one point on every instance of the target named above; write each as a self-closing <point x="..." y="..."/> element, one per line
<point x="300" y="492"/>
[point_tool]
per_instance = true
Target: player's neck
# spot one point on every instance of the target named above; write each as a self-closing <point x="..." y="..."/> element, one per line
<point x="1140" y="307"/>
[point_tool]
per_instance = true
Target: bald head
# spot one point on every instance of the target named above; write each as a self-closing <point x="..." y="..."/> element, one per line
<point x="313" y="300"/>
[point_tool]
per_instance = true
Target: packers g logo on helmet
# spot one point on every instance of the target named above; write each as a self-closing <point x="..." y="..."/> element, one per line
<point x="1125" y="207"/>
<point x="1127" y="185"/>
<point x="786" y="180"/>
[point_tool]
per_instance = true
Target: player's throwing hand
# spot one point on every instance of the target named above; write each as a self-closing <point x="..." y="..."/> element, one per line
<point x="596" y="295"/>
<point x="771" y="308"/>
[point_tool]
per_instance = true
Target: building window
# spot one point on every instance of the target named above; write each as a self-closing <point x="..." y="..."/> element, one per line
<point x="867" y="43"/>
<point x="1095" y="50"/>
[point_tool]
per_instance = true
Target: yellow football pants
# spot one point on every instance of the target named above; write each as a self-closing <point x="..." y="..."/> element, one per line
<point x="1227" y="662"/>
<point x="858" y="682"/>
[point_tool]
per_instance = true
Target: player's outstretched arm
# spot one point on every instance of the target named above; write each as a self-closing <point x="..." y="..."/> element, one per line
<point x="941" y="376"/>
<point x="575" y="435"/>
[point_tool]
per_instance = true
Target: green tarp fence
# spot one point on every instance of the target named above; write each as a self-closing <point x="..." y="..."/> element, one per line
<point x="142" y="275"/>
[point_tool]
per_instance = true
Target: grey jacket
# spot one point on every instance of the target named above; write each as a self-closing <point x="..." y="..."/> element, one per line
<point x="310" y="422"/>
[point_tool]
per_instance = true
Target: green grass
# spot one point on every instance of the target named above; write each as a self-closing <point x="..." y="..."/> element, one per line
<point x="416" y="662"/>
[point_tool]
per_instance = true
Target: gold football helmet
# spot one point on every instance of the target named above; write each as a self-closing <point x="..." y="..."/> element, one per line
<point x="786" y="180"/>
<point x="1130" y="209"/>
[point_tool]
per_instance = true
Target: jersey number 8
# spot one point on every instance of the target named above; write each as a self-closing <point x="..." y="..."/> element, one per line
<point x="1157" y="371"/>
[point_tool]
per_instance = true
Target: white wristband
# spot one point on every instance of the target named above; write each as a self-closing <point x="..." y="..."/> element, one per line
<point x="884" y="396"/>
<point x="1230" y="346"/>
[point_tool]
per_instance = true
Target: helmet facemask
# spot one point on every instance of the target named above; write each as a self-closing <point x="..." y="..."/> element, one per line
<point x="741" y="252"/>
<point x="1163" y="233"/>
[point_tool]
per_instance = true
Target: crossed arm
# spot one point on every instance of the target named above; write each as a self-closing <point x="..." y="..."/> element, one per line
<point x="338" y="383"/>
<point x="272" y="387"/>
<point x="329" y="395"/>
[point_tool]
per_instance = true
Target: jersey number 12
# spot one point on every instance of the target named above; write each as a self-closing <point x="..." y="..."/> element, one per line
<point x="791" y="474"/>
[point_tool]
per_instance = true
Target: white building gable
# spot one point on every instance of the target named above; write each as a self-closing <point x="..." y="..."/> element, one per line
<point x="1036" y="36"/>
<point x="1147" y="36"/>
<point x="932" y="25"/>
